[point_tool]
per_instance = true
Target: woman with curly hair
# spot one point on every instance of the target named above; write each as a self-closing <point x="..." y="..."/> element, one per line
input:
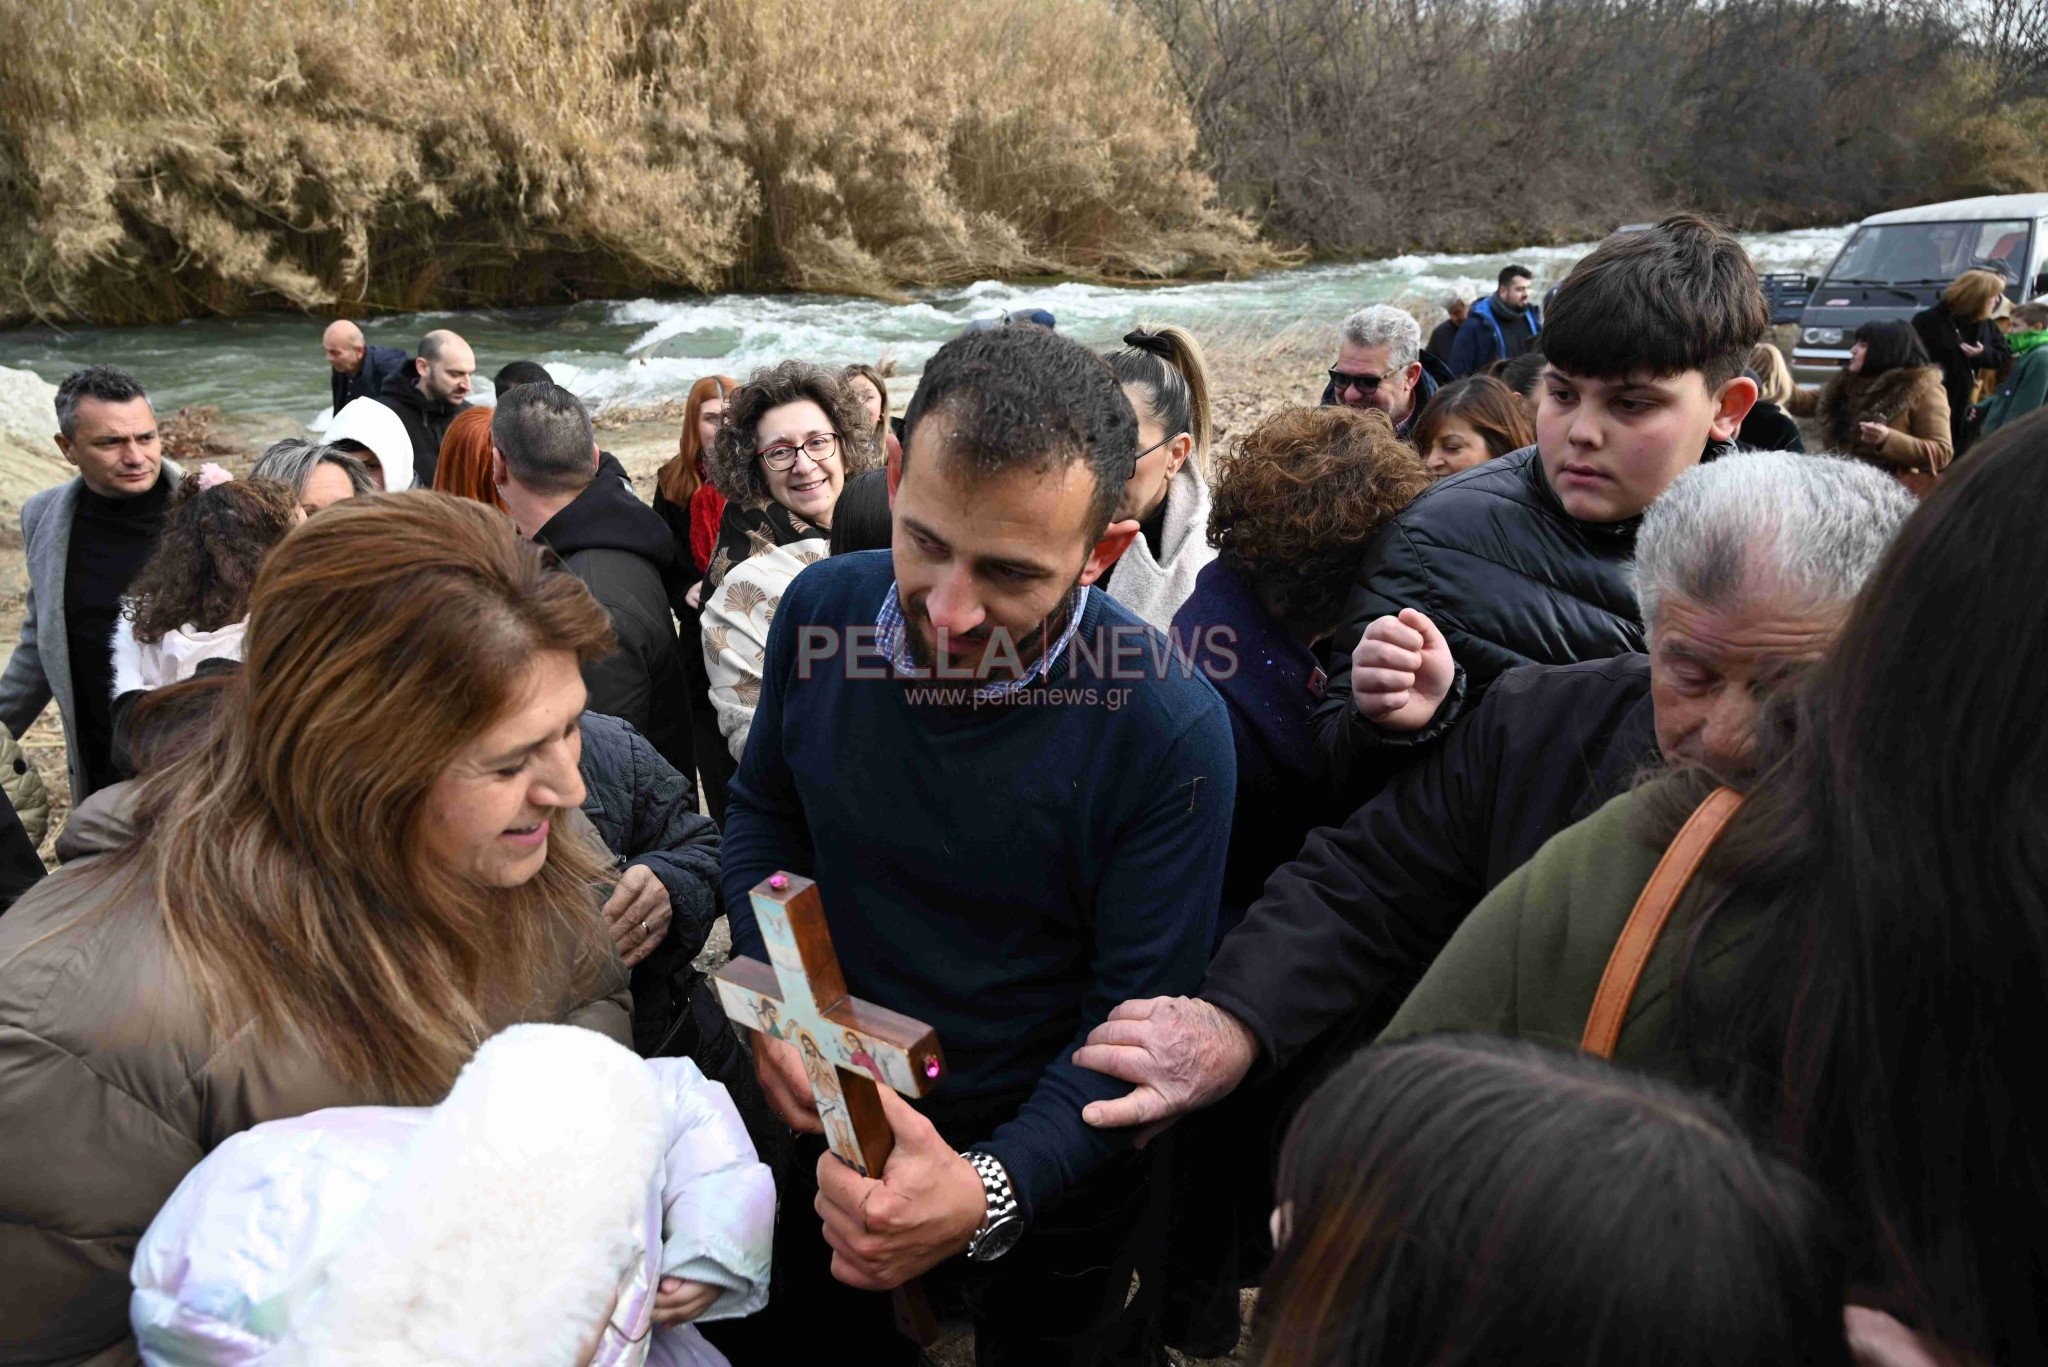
<point x="1294" y="506"/>
<point x="792" y="435"/>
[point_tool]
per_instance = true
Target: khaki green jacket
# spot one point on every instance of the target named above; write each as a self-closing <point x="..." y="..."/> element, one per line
<point x="1527" y="961"/>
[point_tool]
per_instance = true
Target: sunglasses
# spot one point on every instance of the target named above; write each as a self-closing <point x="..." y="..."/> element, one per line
<point x="1364" y="384"/>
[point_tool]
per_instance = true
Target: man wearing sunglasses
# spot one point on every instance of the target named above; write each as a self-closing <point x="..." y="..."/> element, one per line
<point x="1381" y="364"/>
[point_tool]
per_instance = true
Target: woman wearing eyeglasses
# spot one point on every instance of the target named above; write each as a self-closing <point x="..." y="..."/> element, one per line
<point x="1168" y="493"/>
<point x="792" y="434"/>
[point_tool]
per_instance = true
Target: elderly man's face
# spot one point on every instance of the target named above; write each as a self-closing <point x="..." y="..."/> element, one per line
<point x="1712" y="668"/>
<point x="1394" y="395"/>
<point x="343" y="343"/>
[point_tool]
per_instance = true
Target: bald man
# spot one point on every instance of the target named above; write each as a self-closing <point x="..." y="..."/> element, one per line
<point x="360" y="371"/>
<point x="428" y="394"/>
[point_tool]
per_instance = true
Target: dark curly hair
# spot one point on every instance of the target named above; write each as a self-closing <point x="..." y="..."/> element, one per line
<point x="1298" y="499"/>
<point x="734" y="459"/>
<point x="212" y="545"/>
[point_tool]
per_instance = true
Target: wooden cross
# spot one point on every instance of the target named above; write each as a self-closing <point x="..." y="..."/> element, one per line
<point x="848" y="1046"/>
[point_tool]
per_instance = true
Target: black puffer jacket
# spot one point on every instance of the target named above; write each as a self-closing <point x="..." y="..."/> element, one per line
<point x="1339" y="936"/>
<point x="1505" y="573"/>
<point x="646" y="813"/>
<point x="426" y="421"/>
<point x="623" y="553"/>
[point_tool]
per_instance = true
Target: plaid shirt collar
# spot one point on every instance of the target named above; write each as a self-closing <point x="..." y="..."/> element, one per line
<point x="892" y="638"/>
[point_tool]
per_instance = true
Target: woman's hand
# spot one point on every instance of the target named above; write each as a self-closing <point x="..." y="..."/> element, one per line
<point x="695" y="597"/>
<point x="1872" y="433"/>
<point x="638" y="913"/>
<point x="677" y="1301"/>
<point x="1973" y="349"/>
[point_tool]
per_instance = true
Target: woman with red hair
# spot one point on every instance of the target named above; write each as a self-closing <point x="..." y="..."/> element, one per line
<point x="683" y="496"/>
<point x="465" y="462"/>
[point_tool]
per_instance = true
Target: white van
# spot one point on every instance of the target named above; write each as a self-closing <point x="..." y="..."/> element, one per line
<point x="1896" y="264"/>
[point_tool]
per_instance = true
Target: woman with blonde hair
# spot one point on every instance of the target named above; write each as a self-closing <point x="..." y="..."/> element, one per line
<point x="371" y="860"/>
<point x="1961" y="337"/>
<point x="1768" y="426"/>
<point x="1167" y="495"/>
<point x="464" y="468"/>
<point x="684" y="494"/>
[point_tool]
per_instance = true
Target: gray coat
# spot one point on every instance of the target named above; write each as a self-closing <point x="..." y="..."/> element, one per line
<point x="36" y="673"/>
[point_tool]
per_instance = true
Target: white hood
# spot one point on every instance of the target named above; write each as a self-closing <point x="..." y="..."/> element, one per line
<point x="377" y="427"/>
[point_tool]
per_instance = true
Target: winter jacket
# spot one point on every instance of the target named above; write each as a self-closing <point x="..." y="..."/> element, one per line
<point x="1270" y="684"/>
<point x="624" y="555"/>
<point x="21" y="868"/>
<point x="1909" y="400"/>
<point x="535" y="1209"/>
<point x="116" y="1087"/>
<point x="1435" y="375"/>
<point x="39" y="670"/>
<point x="737" y="615"/>
<point x="1767" y="427"/>
<point x="1505" y="573"/>
<point x="2025" y="389"/>
<point x="646" y="813"/>
<point x="382" y="365"/>
<point x="1527" y="962"/>
<point x="1154" y="588"/>
<point x="426" y="422"/>
<point x="23" y="786"/>
<point x="376" y="426"/>
<point x="1944" y="338"/>
<point x="1345" y="930"/>
<point x="1481" y="342"/>
<point x="1443" y="337"/>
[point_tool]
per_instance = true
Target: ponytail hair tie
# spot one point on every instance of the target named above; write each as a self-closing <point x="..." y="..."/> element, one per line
<point x="212" y="476"/>
<point x="1140" y="340"/>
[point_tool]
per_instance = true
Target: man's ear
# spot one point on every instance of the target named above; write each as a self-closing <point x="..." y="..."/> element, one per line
<point x="419" y="366"/>
<point x="64" y="446"/>
<point x="500" y="476"/>
<point x="895" y="467"/>
<point x="1116" y="539"/>
<point x="596" y="456"/>
<point x="1733" y="403"/>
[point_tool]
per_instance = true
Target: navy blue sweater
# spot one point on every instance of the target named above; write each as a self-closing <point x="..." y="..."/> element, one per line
<point x="1006" y="874"/>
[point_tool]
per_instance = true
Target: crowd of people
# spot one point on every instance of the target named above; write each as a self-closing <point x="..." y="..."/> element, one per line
<point x="1537" y="858"/>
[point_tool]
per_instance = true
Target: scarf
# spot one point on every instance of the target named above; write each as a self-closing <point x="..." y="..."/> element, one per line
<point x="748" y="529"/>
<point x="1850" y="398"/>
<point x="2024" y="342"/>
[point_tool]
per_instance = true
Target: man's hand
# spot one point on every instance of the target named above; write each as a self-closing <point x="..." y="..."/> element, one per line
<point x="638" y="913"/>
<point x="923" y="1211"/>
<point x="1182" y="1053"/>
<point x="677" y="1301"/>
<point x="780" y="1070"/>
<point x="1401" y="669"/>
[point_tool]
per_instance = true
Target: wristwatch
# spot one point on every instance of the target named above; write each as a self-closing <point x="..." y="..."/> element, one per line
<point x="1002" y="1226"/>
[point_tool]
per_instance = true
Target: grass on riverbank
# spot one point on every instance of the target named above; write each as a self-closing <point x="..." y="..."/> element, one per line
<point x="164" y="158"/>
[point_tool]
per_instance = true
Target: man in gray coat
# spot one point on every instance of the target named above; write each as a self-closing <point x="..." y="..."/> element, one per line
<point x="85" y="541"/>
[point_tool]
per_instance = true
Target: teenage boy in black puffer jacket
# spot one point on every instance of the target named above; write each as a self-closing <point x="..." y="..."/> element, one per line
<point x="1525" y="559"/>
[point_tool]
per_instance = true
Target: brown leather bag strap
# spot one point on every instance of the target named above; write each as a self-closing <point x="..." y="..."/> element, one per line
<point x="1646" y="921"/>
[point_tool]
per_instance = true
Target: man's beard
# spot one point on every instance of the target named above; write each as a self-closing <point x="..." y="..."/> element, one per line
<point x="1029" y="648"/>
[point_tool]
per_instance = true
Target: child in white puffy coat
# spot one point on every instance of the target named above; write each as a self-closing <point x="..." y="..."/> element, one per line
<point x="569" y="1203"/>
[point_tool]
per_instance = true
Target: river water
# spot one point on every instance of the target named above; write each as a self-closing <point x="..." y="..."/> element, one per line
<point x="645" y="350"/>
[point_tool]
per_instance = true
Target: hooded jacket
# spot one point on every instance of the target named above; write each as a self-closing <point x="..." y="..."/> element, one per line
<point x="625" y="556"/>
<point x="2025" y="389"/>
<point x="426" y="421"/>
<point x="376" y="426"/>
<point x="116" y="1086"/>
<point x="1506" y="574"/>
<point x="539" y="1205"/>
<point x="1480" y="340"/>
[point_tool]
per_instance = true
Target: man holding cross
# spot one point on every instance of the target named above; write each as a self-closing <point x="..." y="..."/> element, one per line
<point x="1015" y="804"/>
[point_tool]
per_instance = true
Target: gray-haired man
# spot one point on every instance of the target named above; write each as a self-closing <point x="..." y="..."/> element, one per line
<point x="85" y="541"/>
<point x="1746" y="569"/>
<point x="1381" y="364"/>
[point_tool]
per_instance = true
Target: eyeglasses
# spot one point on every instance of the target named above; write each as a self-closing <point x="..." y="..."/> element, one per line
<point x="819" y="446"/>
<point x="1364" y="384"/>
<point x="1146" y="452"/>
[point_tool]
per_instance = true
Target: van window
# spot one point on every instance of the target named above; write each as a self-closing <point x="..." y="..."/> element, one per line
<point x="1934" y="253"/>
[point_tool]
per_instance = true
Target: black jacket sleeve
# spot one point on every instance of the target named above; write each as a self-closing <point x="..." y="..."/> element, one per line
<point x="667" y="834"/>
<point x="20" y="866"/>
<point x="1346" y="929"/>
